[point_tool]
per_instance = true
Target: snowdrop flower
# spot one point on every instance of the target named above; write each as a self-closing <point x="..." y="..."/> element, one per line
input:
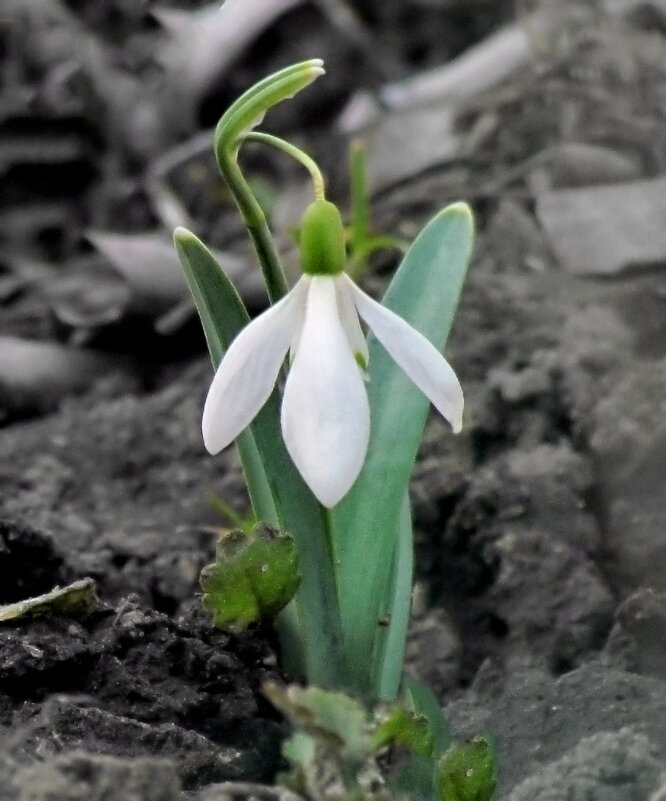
<point x="325" y="412"/>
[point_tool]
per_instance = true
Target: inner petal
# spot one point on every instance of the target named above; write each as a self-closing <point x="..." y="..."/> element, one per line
<point x="350" y="322"/>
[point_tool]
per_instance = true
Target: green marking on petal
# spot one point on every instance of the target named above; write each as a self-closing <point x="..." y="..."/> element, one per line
<point x="360" y="359"/>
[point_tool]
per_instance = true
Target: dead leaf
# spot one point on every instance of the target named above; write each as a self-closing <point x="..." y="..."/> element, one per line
<point x="78" y="600"/>
<point x="416" y="117"/>
<point x="202" y="45"/>
<point x="425" y="137"/>
<point x="149" y="264"/>
<point x="35" y="376"/>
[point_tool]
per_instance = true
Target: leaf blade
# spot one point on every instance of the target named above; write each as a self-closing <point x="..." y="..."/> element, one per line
<point x="365" y="531"/>
<point x="282" y="497"/>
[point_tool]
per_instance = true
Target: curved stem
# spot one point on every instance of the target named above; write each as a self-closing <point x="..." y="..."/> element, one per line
<point x="257" y="226"/>
<point x="296" y="153"/>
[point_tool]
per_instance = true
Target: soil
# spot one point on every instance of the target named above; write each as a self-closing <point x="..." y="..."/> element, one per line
<point x="540" y="607"/>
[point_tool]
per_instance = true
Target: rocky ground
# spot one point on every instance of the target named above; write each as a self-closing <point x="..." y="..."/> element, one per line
<point x="540" y="608"/>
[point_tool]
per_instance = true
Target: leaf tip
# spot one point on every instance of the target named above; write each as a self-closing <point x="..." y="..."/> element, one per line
<point x="462" y="209"/>
<point x="181" y="234"/>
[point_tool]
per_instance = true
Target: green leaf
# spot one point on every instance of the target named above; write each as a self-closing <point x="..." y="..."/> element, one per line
<point x="278" y="494"/>
<point x="418" y="778"/>
<point x="425" y="292"/>
<point x="253" y="577"/>
<point x="330" y="717"/>
<point x="390" y="643"/>
<point x="300" y="749"/>
<point x="468" y="771"/>
<point x="407" y="728"/>
<point x="362" y="243"/>
<point x="223" y="315"/>
<point x="249" y="109"/>
<point x="420" y="697"/>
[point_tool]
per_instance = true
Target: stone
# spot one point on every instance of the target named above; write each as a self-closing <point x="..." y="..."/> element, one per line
<point x="628" y="444"/>
<point x="609" y="766"/>
<point x="603" y="230"/>
<point x="537" y="720"/>
<point x="78" y="776"/>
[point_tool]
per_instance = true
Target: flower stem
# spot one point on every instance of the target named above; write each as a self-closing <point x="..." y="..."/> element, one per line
<point x="257" y="226"/>
<point x="296" y="153"/>
<point x="360" y="205"/>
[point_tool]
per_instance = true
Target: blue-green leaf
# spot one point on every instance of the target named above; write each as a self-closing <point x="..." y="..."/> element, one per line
<point x="223" y="315"/>
<point x="279" y="495"/>
<point x="425" y="291"/>
<point x="389" y="652"/>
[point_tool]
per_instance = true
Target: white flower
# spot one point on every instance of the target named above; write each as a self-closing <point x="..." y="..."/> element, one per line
<point x="325" y="411"/>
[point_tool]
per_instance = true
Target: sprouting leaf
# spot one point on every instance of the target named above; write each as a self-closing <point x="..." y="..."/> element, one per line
<point x="403" y="727"/>
<point x="78" y="600"/>
<point x="468" y="771"/>
<point x="418" y="778"/>
<point x="420" y="697"/>
<point x="362" y="242"/>
<point x="300" y="749"/>
<point x="253" y="577"/>
<point x="331" y="717"/>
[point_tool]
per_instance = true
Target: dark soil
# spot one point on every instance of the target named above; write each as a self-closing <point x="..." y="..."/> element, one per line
<point x="540" y="607"/>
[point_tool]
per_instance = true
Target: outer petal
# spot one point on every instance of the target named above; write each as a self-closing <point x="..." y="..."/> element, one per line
<point x="247" y="373"/>
<point x="418" y="357"/>
<point x="325" y="411"/>
<point x="349" y="319"/>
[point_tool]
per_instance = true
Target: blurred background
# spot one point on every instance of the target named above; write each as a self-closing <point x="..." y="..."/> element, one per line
<point x="106" y="111"/>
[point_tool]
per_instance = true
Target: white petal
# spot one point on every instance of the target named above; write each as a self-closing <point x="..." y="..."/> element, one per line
<point x="349" y="320"/>
<point x="325" y="412"/>
<point x="299" y="315"/>
<point x="246" y="376"/>
<point x="418" y="357"/>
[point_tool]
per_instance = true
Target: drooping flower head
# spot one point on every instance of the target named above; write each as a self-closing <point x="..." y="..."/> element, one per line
<point x="325" y="414"/>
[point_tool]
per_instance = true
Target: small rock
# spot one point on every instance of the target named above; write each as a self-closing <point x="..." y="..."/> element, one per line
<point x="551" y="598"/>
<point x="86" y="777"/>
<point x="628" y="443"/>
<point x="427" y="134"/>
<point x="640" y="632"/>
<point x="610" y="766"/>
<point x="538" y="720"/>
<point x="434" y="651"/>
<point x="69" y="724"/>
<point x="520" y="548"/>
<point x="604" y="230"/>
<point x="571" y="164"/>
